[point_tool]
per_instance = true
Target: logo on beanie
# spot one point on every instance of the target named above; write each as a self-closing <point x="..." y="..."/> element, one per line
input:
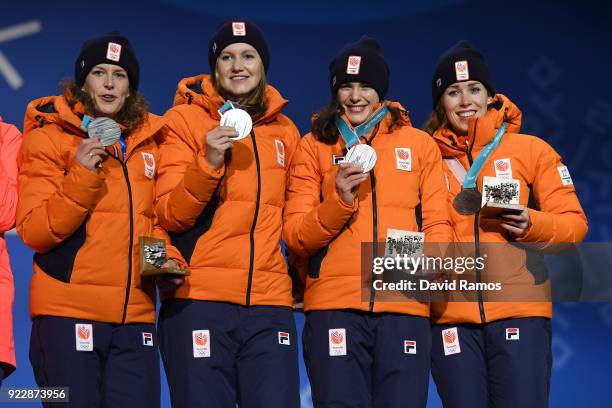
<point x="113" y="52"/>
<point x="353" y="64"/>
<point x="439" y="82"/>
<point x="214" y="47"/>
<point x="462" y="71"/>
<point x="238" y="29"/>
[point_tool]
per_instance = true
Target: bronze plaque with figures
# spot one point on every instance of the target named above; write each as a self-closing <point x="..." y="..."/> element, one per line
<point x="153" y="256"/>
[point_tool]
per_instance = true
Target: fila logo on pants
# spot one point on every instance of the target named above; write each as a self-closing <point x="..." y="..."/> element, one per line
<point x="284" y="339"/>
<point x="147" y="339"/>
<point x="410" y="347"/>
<point x="512" y="333"/>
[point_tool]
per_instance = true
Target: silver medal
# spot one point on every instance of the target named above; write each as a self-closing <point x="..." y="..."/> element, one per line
<point x="105" y="129"/>
<point x="239" y="120"/>
<point x="361" y="155"/>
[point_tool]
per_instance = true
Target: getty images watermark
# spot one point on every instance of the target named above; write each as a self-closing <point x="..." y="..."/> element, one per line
<point x="407" y="269"/>
<point x="426" y="273"/>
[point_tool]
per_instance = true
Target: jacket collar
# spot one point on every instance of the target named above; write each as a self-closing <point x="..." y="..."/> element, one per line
<point x="199" y="90"/>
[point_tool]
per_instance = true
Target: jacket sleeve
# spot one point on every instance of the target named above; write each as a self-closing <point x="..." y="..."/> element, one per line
<point x="7" y="296"/>
<point x="185" y="182"/>
<point x="310" y="224"/>
<point x="54" y="198"/>
<point x="171" y="251"/>
<point x="434" y="196"/>
<point x="559" y="217"/>
<point x="10" y="142"/>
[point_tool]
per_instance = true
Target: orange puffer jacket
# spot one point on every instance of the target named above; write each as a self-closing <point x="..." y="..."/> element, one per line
<point x="226" y="222"/>
<point x="10" y="141"/>
<point x="320" y="225"/>
<point x="554" y="211"/>
<point x="85" y="226"/>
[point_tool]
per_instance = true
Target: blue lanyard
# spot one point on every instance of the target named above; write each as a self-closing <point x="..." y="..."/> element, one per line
<point x="470" y="178"/>
<point x="350" y="136"/>
<point x="85" y="122"/>
<point x="123" y="147"/>
<point x="226" y="106"/>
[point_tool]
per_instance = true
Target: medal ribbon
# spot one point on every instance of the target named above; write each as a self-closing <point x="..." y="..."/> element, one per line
<point x="123" y="147"/>
<point x="85" y="122"/>
<point x="350" y="136"/>
<point x="226" y="106"/>
<point x="470" y="178"/>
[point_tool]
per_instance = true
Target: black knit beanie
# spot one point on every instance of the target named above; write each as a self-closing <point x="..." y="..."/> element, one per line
<point x="360" y="62"/>
<point x="112" y="48"/>
<point x="232" y="32"/>
<point x="461" y="62"/>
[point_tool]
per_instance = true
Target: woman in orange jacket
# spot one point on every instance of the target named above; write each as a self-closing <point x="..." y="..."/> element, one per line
<point x="363" y="349"/>
<point x="496" y="353"/>
<point x="84" y="202"/>
<point x="10" y="141"/>
<point x="227" y="335"/>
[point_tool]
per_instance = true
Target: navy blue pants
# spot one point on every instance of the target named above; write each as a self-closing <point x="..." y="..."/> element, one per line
<point x="220" y="354"/>
<point x="362" y="360"/>
<point x="1" y="374"/>
<point x="505" y="363"/>
<point x="103" y="364"/>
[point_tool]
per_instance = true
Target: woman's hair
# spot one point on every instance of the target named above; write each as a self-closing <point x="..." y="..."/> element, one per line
<point x="436" y="120"/>
<point x="255" y="102"/>
<point x="132" y="114"/>
<point x="324" y="121"/>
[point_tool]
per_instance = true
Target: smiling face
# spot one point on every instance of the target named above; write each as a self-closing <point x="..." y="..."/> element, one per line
<point x="239" y="69"/>
<point x="358" y="100"/>
<point x="108" y="86"/>
<point x="462" y="101"/>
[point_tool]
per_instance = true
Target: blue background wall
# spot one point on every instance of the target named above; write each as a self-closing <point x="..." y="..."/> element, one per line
<point x="552" y="59"/>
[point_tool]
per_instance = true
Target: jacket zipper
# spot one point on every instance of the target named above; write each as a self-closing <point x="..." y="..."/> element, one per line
<point x="129" y="276"/>
<point x="252" y="233"/>
<point x="374" y="230"/>
<point x="483" y="318"/>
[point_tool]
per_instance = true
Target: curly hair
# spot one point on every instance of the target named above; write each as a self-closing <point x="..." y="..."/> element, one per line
<point x="132" y="114"/>
<point x="324" y="121"/>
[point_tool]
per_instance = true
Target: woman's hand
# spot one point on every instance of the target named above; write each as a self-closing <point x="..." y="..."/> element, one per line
<point x="516" y="224"/>
<point x="217" y="143"/>
<point x="167" y="283"/>
<point x="348" y="178"/>
<point x="91" y="154"/>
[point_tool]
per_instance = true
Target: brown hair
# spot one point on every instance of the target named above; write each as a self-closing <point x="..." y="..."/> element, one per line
<point x="324" y="121"/>
<point x="132" y="114"/>
<point x="436" y="120"/>
<point x="255" y="102"/>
